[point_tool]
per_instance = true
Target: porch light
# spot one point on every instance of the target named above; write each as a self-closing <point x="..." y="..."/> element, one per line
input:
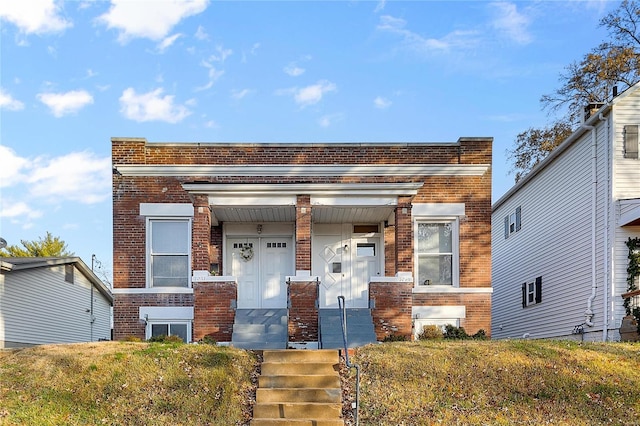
<point x="259" y="228"/>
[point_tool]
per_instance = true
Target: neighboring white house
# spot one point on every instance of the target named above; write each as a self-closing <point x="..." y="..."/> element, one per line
<point x="559" y="235"/>
<point x="51" y="300"/>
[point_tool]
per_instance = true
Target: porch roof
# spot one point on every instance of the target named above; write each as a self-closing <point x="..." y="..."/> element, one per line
<point x="630" y="212"/>
<point x="332" y="203"/>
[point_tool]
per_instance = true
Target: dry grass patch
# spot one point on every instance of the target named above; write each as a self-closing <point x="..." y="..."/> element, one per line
<point x="499" y="382"/>
<point x="117" y="383"/>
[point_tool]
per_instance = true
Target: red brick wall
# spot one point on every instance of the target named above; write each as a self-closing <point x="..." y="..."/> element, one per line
<point x="200" y="234"/>
<point x="392" y="312"/>
<point x="126" y="312"/>
<point x="303" y="312"/>
<point x="474" y="191"/>
<point x="478" y="308"/>
<point x="213" y="312"/>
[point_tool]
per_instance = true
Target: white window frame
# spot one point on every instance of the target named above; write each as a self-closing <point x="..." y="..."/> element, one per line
<point x="455" y="247"/>
<point x="168" y="322"/>
<point x="149" y="270"/>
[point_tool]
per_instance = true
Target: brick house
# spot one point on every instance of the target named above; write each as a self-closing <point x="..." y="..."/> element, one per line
<point x="210" y="237"/>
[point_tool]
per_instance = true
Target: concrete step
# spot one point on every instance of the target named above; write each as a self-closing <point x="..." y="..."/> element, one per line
<point x="307" y="368"/>
<point x="299" y="381"/>
<point x="296" y="422"/>
<point x="259" y="345"/>
<point x="299" y="387"/>
<point x="299" y="395"/>
<point x="301" y="355"/>
<point x="296" y="411"/>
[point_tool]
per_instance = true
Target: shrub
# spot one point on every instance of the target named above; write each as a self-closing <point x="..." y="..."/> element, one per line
<point x="480" y="335"/>
<point x="165" y="339"/>
<point x="430" y="332"/>
<point x="209" y="340"/>
<point x="132" y="339"/>
<point x="394" y="338"/>
<point x="453" y="332"/>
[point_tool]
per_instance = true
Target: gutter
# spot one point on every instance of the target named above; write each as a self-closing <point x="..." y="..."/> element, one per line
<point x="588" y="313"/>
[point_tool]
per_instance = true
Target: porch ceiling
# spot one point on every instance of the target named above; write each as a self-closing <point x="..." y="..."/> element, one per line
<point x="320" y="214"/>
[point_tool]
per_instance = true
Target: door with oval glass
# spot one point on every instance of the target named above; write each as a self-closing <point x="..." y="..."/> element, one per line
<point x="345" y="262"/>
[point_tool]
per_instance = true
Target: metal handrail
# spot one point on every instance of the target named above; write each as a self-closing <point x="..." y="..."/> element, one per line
<point x="343" y="319"/>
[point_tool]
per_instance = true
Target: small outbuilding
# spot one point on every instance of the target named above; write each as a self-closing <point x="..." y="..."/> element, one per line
<point x="51" y="300"/>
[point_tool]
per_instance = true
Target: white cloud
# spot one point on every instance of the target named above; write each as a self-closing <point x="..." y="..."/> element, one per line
<point x="213" y="75"/>
<point x="510" y="22"/>
<point x="239" y="94"/>
<point x="12" y="167"/>
<point x="167" y="42"/>
<point x="34" y="16"/>
<point x="381" y="103"/>
<point x="8" y="102"/>
<point x="379" y="6"/>
<point x="151" y="106"/>
<point x="19" y="212"/>
<point x="293" y="70"/>
<point x="152" y="20"/>
<point x="62" y="104"/>
<point x="78" y="176"/>
<point x="423" y="45"/>
<point x="222" y="54"/>
<point x="201" y="33"/>
<point x="211" y="124"/>
<point x="330" y="119"/>
<point x="309" y="95"/>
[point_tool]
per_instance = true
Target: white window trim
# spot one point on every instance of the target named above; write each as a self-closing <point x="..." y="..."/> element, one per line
<point x="455" y="243"/>
<point x="148" y="270"/>
<point x="168" y="321"/>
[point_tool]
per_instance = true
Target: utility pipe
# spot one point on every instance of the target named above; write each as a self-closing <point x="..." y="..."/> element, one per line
<point x="606" y="245"/>
<point x="588" y="313"/>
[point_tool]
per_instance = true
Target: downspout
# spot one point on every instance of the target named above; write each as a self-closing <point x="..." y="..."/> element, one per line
<point x="588" y="313"/>
<point x="607" y="249"/>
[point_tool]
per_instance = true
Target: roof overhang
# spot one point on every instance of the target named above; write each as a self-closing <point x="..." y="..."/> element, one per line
<point x="331" y="203"/>
<point x="301" y="170"/>
<point x="630" y="212"/>
<point x="21" y="264"/>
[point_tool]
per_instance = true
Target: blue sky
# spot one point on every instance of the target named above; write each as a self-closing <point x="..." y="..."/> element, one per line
<point x="73" y="74"/>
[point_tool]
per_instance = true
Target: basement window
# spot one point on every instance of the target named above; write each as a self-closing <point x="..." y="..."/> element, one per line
<point x="180" y="329"/>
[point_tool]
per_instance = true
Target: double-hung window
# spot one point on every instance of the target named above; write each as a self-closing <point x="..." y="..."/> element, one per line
<point x="436" y="251"/>
<point x="532" y="292"/>
<point x="169" y="245"/>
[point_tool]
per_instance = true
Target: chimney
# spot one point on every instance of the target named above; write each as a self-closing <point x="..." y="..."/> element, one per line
<point x="591" y="109"/>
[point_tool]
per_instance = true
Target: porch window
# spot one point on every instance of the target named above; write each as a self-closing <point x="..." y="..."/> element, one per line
<point x="180" y="329"/>
<point x="436" y="257"/>
<point x="168" y="258"/>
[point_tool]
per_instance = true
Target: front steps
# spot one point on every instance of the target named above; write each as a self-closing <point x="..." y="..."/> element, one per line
<point x="260" y="329"/>
<point x="360" y="329"/>
<point x="299" y="387"/>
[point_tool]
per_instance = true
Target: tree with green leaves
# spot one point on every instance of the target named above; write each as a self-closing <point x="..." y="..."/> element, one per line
<point x="49" y="246"/>
<point x="613" y="63"/>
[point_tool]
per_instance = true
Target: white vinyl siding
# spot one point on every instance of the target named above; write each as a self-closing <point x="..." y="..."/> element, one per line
<point x="554" y="244"/>
<point x="38" y="306"/>
<point x="626" y="170"/>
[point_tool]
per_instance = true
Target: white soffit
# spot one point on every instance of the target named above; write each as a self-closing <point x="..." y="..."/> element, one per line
<point x="314" y="189"/>
<point x="350" y="201"/>
<point x="308" y="170"/>
<point x="630" y="212"/>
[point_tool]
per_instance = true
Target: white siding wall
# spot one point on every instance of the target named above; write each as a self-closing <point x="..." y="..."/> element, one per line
<point x="626" y="185"/>
<point x="554" y="243"/>
<point x="38" y="306"/>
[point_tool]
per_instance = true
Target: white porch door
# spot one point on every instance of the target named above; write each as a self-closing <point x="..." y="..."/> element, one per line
<point x="344" y="265"/>
<point x="260" y="265"/>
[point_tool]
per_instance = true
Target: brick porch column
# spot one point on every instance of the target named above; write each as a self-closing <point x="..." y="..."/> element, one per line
<point x="214" y="311"/>
<point x="303" y="233"/>
<point x="392" y="313"/>
<point x="404" y="236"/>
<point x="200" y="236"/>
<point x="303" y="311"/>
